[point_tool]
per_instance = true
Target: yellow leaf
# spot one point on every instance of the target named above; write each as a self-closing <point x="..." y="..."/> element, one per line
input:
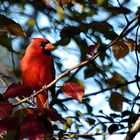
<point x="100" y="2"/>
<point x="60" y="13"/>
<point x="120" y="49"/>
<point x="116" y="101"/>
<point x="31" y="22"/>
<point x="67" y="124"/>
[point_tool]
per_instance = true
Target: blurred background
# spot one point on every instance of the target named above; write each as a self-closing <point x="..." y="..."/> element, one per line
<point x="75" y="27"/>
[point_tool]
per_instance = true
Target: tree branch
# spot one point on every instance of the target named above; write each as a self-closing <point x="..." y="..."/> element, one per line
<point x="123" y="11"/>
<point x="137" y="77"/>
<point x="133" y="131"/>
<point x="137" y="57"/>
<point x="85" y="135"/>
<point x="79" y="65"/>
<point x="95" y="93"/>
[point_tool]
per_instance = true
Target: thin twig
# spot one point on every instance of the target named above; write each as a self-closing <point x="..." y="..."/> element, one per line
<point x="13" y="61"/>
<point x="123" y="11"/>
<point x="89" y="37"/>
<point x="87" y="135"/>
<point x="3" y="82"/>
<point x="130" y="133"/>
<point x="137" y="57"/>
<point x="70" y="78"/>
<point x="6" y="86"/>
<point x="79" y="65"/>
<point x="98" y="92"/>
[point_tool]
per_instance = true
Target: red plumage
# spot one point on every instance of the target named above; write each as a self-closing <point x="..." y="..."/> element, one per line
<point x="37" y="68"/>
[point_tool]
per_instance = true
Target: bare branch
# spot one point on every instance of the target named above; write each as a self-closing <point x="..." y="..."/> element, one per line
<point x="123" y="11"/>
<point x="133" y="131"/>
<point x="85" y="135"/>
<point x="95" y="93"/>
<point x="137" y="57"/>
<point x="79" y="65"/>
<point x="137" y="77"/>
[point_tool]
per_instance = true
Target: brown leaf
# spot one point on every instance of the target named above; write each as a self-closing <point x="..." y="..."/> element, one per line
<point x="9" y="25"/>
<point x="48" y="113"/>
<point x="35" y="128"/>
<point x="5" y="110"/>
<point x="15" y="29"/>
<point x="116" y="101"/>
<point x="15" y="90"/>
<point x="91" y="49"/>
<point x="120" y="49"/>
<point x="63" y="2"/>
<point x="73" y="90"/>
<point x="53" y="115"/>
<point x="117" y="79"/>
<point x="131" y="44"/>
<point x="8" y="124"/>
<point x="113" y="81"/>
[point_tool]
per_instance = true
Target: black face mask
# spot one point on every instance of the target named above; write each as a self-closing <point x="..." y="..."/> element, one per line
<point x="43" y="44"/>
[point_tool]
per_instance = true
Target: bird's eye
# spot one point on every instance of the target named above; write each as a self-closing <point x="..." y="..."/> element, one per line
<point x="44" y="43"/>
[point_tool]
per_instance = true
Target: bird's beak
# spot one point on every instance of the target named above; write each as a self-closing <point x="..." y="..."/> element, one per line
<point x="49" y="46"/>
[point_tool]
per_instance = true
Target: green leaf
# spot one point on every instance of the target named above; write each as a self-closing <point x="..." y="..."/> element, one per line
<point x="89" y="108"/>
<point x="113" y="115"/>
<point x="90" y="71"/>
<point x="104" y="28"/>
<point x="117" y="79"/>
<point x="63" y="42"/>
<point x="125" y="113"/>
<point x="91" y="121"/>
<point x="118" y="10"/>
<point x="116" y="101"/>
<point x="67" y="124"/>
<point x="82" y="44"/>
<point x="6" y="41"/>
<point x="70" y="31"/>
<point x="78" y="113"/>
<point x="112" y="128"/>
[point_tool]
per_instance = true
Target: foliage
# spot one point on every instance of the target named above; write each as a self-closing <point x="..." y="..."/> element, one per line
<point x="103" y="37"/>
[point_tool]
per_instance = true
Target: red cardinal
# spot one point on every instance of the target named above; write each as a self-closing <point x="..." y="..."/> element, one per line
<point x="37" y="68"/>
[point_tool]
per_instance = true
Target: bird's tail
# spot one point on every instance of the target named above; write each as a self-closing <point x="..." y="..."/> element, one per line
<point x="42" y="100"/>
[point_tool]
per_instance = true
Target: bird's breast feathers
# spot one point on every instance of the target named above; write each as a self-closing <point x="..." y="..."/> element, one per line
<point x="37" y="71"/>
